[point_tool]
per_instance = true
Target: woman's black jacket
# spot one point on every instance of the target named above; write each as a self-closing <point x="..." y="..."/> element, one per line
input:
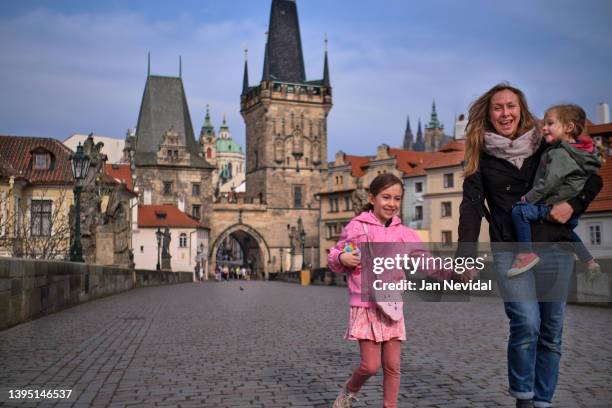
<point x="502" y="185"/>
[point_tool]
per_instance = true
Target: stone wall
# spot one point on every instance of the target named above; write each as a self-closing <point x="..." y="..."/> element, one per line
<point x="32" y="288"/>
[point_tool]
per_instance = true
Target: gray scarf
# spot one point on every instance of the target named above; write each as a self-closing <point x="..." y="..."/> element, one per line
<point x="514" y="151"/>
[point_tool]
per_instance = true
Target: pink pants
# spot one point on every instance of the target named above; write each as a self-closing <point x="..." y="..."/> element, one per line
<point x="371" y="353"/>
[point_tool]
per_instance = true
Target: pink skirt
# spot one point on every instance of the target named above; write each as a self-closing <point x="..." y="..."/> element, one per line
<point x="371" y="324"/>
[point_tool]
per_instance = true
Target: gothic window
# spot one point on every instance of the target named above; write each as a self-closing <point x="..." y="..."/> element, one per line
<point x="183" y="240"/>
<point x="316" y="153"/>
<point x="40" y="214"/>
<point x="297" y="197"/>
<point x="278" y="150"/>
<point x="288" y="160"/>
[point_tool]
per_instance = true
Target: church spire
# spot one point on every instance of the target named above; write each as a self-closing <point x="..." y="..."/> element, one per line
<point x="245" y="79"/>
<point x="283" y="59"/>
<point x="207" y="129"/>
<point x="434" y="123"/>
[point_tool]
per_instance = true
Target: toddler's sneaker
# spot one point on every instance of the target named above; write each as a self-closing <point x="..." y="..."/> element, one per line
<point x="344" y="398"/>
<point x="593" y="271"/>
<point x="523" y="263"/>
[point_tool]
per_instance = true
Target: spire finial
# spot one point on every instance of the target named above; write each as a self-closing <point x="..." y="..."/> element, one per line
<point x="149" y="63"/>
<point x="180" y="67"/>
<point x="245" y="78"/>
<point x="326" y="80"/>
<point x="325" y="42"/>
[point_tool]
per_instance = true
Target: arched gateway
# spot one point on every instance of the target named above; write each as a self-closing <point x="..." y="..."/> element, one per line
<point x="256" y="253"/>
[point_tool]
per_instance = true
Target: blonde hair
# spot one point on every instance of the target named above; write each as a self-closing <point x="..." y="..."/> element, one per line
<point x="479" y="123"/>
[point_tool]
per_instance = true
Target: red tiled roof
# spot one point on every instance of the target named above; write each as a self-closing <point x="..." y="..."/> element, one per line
<point x="416" y="171"/>
<point x="603" y="201"/>
<point x="167" y="215"/>
<point x="453" y="145"/>
<point x="442" y="159"/>
<point x="357" y="164"/>
<point x="407" y="160"/>
<point x="122" y="173"/>
<point x="17" y="151"/>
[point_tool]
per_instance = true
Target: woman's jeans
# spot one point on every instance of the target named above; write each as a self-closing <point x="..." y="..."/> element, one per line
<point x="535" y="305"/>
<point x="523" y="214"/>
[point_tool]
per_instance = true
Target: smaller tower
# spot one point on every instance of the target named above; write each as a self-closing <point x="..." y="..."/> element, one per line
<point x="434" y="131"/>
<point x="419" y="145"/>
<point x="408" y="138"/>
<point x="208" y="139"/>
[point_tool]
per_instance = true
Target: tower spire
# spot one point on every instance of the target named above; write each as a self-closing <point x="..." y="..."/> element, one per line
<point x="284" y="60"/>
<point x="408" y="138"/>
<point x="180" y="67"/>
<point x="245" y="79"/>
<point x="326" y="81"/>
<point x="149" y="64"/>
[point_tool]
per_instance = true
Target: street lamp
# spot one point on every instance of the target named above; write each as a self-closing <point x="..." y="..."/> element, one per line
<point x="158" y="235"/>
<point x="80" y="167"/>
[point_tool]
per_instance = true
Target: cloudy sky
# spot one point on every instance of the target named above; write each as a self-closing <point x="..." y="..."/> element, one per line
<point x="70" y="66"/>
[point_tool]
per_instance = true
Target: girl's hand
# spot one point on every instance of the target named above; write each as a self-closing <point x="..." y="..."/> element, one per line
<point x="561" y="212"/>
<point x="350" y="259"/>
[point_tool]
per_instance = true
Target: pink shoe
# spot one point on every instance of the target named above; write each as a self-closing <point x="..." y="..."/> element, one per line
<point x="523" y="263"/>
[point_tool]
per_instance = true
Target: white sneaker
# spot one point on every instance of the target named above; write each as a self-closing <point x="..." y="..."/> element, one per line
<point x="344" y="398"/>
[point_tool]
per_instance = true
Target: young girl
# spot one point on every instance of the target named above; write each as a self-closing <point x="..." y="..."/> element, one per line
<point x="379" y="336"/>
<point x="561" y="175"/>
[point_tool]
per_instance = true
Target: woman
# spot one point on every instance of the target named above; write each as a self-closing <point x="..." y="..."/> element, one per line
<point x="503" y="150"/>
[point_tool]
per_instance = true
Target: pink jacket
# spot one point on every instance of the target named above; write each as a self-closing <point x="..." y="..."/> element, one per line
<point x="354" y="232"/>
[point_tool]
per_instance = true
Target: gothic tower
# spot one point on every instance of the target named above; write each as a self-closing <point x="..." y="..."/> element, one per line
<point x="286" y="120"/>
<point x="408" y="138"/>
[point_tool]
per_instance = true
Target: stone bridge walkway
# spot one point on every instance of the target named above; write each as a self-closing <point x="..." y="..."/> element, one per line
<point x="275" y="344"/>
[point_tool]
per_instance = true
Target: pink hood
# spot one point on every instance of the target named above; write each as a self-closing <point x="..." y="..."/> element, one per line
<point x="355" y="233"/>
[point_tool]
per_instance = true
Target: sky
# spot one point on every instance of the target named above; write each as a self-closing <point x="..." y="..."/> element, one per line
<point x="69" y="66"/>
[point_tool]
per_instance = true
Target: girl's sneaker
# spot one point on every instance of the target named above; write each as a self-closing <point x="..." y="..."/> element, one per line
<point x="523" y="263"/>
<point x="344" y="398"/>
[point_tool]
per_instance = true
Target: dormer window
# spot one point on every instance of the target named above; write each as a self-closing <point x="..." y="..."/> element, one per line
<point x="41" y="161"/>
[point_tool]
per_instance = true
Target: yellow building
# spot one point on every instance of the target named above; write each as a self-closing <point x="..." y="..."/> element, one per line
<point x="36" y="186"/>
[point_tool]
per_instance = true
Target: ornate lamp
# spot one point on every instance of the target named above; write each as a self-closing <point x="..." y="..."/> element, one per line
<point x="80" y="168"/>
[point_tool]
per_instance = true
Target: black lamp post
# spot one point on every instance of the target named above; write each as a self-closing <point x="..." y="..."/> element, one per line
<point x="158" y="235"/>
<point x="80" y="167"/>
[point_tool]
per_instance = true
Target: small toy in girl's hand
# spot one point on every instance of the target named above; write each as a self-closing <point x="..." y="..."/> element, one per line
<point x="351" y="248"/>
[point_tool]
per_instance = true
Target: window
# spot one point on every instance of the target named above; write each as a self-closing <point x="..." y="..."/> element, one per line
<point x="348" y="203"/>
<point x="208" y="153"/>
<point x="288" y="160"/>
<point x="297" y="196"/>
<point x="183" y="240"/>
<point x="418" y="213"/>
<point x="195" y="211"/>
<point x="142" y="249"/>
<point x="333" y="204"/>
<point x="41" y="218"/>
<point x="447" y="238"/>
<point x="195" y="189"/>
<point x="418" y="187"/>
<point x="448" y="180"/>
<point x="446" y="209"/>
<point x="595" y="234"/>
<point x="167" y="187"/>
<point x="41" y="161"/>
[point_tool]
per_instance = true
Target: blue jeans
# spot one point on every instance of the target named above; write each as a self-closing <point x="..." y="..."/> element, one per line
<point x="536" y="327"/>
<point x="523" y="214"/>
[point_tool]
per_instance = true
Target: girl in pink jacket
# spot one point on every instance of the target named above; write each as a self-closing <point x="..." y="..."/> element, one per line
<point x="379" y="336"/>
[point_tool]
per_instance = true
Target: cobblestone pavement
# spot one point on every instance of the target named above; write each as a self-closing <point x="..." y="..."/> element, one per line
<point x="276" y="344"/>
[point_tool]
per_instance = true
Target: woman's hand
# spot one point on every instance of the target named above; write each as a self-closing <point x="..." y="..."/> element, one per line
<point x="561" y="212"/>
<point x="349" y="259"/>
